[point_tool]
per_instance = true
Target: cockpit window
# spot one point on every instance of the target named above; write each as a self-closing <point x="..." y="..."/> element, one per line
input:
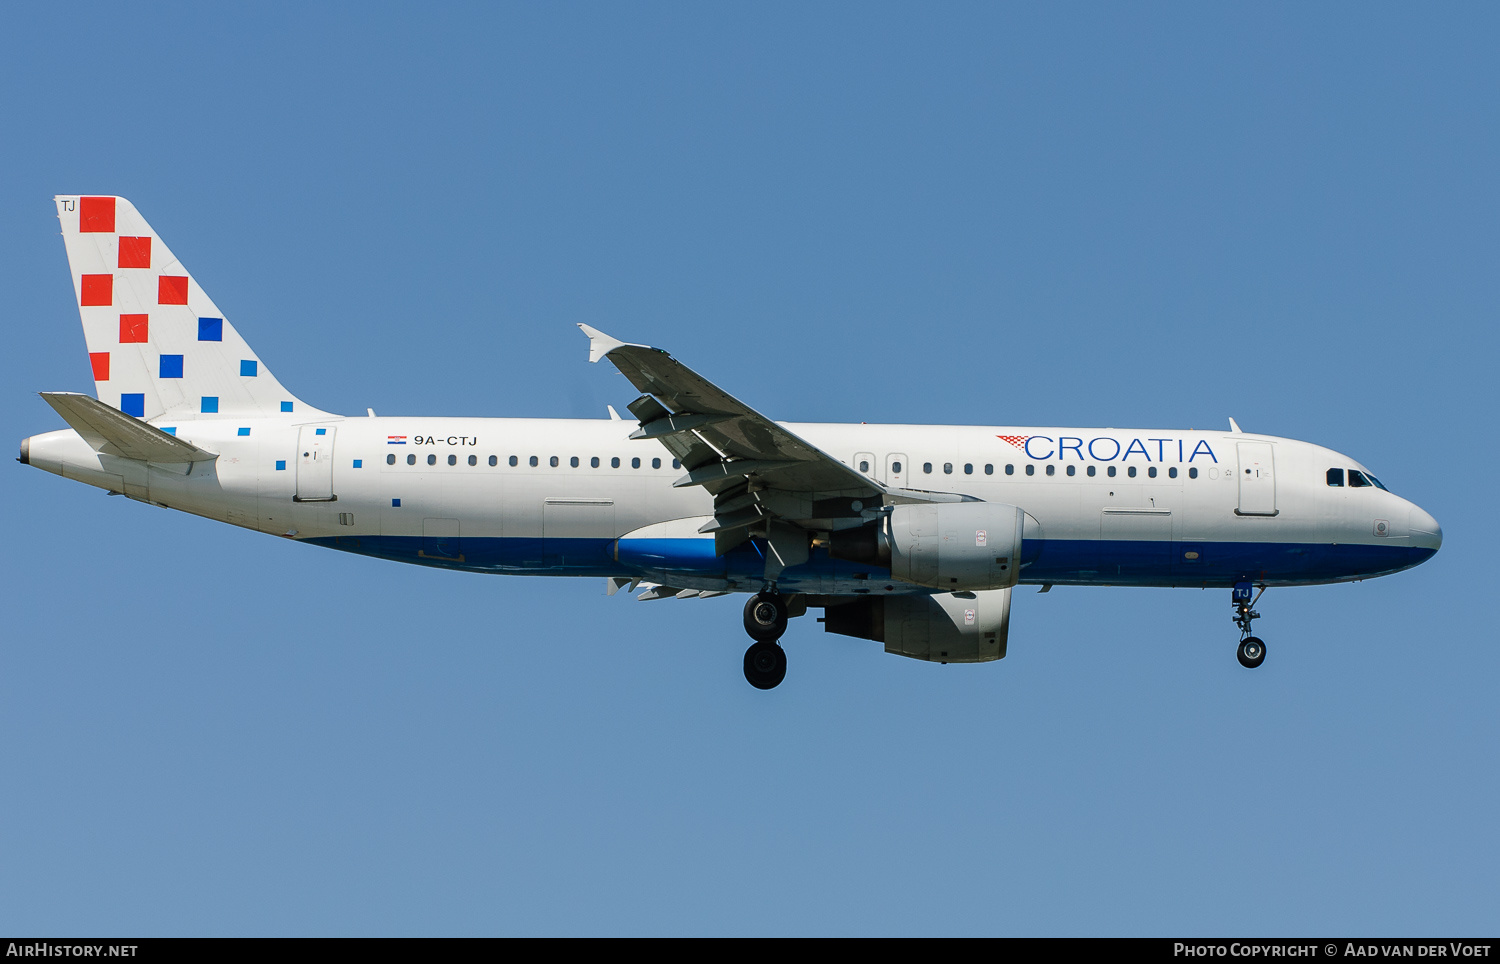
<point x="1378" y="484"/>
<point x="1335" y="476"/>
<point x="1357" y="479"/>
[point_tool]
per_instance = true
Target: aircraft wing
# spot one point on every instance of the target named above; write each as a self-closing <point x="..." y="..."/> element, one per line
<point x="766" y="480"/>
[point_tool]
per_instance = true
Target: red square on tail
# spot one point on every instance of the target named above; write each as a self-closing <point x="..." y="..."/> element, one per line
<point x="135" y="329"/>
<point x="135" y="252"/>
<point x="96" y="214"/>
<point x="171" y="290"/>
<point x="98" y="289"/>
<point x="100" y="361"/>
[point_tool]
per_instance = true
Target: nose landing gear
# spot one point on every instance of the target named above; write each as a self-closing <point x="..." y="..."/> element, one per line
<point x="765" y="621"/>
<point x="1252" y="651"/>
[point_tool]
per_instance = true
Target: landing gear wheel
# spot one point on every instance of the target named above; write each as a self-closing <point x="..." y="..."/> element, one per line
<point x="765" y="618"/>
<point x="1252" y="652"/>
<point x="765" y="665"/>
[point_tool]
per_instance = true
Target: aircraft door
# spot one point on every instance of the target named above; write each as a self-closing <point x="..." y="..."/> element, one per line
<point x="1257" y="479"/>
<point x="315" y="464"/>
<point x="440" y="540"/>
<point x="577" y="531"/>
<point x="895" y="470"/>
<point x="864" y="463"/>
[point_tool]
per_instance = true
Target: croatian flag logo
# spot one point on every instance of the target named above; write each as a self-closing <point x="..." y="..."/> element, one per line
<point x="1019" y="441"/>
<point x="395" y="440"/>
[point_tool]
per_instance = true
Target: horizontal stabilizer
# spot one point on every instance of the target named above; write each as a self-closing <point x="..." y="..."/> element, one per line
<point x="111" y="431"/>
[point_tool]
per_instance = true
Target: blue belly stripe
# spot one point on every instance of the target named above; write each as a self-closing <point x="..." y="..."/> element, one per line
<point x="1057" y="561"/>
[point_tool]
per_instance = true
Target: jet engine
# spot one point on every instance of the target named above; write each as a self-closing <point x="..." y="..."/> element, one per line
<point x="950" y="546"/>
<point x="962" y="627"/>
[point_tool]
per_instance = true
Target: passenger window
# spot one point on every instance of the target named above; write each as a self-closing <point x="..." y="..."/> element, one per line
<point x="947" y="468"/>
<point x="1193" y="473"/>
<point x="534" y="462"/>
<point x="513" y="461"/>
<point x="1336" y="477"/>
<point x="411" y="460"/>
<point x="635" y="463"/>
<point x="677" y="465"/>
<point x="494" y="461"/>
<point x="1151" y="472"/>
<point x="573" y="462"/>
<point x="1051" y="469"/>
<point x="927" y="467"/>
<point x="614" y="463"/>
<point x="1010" y="470"/>
<point x="989" y="469"/>
<point x="473" y="460"/>
<point x="1130" y="471"/>
<point x="1031" y="470"/>
<point x="1357" y="479"/>
<point x="1090" y="471"/>
<point x="1172" y="472"/>
<point x="432" y="460"/>
<point x="552" y="461"/>
<point x="1110" y="471"/>
<point x="390" y="459"/>
<point x="968" y="468"/>
<point x="452" y="460"/>
<point x="1072" y="469"/>
<point x="656" y="463"/>
<point x="594" y="462"/>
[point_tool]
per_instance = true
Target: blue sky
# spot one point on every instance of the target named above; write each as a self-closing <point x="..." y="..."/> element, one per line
<point x="1080" y="215"/>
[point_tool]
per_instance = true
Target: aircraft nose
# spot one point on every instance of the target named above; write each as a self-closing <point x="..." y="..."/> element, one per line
<point x="1425" y="531"/>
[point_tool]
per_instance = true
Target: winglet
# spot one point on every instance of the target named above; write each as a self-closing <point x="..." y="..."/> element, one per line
<point x="1235" y="427"/>
<point x="600" y="344"/>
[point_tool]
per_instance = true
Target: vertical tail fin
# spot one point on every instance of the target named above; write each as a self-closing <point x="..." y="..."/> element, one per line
<point x="158" y="344"/>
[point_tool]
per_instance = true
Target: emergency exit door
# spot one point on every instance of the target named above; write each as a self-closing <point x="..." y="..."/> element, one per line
<point x="1257" y="479"/>
<point x="315" y="464"/>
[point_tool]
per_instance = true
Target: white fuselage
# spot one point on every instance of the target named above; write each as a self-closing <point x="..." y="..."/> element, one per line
<point x="562" y="496"/>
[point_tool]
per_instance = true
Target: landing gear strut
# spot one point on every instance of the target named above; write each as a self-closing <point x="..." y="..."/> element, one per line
<point x="765" y="621"/>
<point x="1251" y="652"/>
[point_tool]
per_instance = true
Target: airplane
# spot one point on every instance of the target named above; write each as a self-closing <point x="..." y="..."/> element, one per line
<point x="913" y="536"/>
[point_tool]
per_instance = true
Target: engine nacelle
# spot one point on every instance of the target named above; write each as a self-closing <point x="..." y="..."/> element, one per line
<point x="956" y="545"/>
<point x="971" y="627"/>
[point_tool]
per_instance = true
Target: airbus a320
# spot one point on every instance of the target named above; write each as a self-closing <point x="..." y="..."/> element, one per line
<point x="913" y="536"/>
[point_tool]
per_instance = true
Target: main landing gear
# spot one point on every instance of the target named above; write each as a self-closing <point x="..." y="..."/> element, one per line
<point x="765" y="621"/>
<point x="1251" y="652"/>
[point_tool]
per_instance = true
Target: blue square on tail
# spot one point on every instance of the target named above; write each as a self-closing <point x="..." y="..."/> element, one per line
<point x="244" y="431"/>
<point x="133" y="403"/>
<point x="209" y="405"/>
<point x="281" y="465"/>
<point x="286" y="406"/>
<point x="395" y="503"/>
<point x="249" y="368"/>
<point x="359" y="463"/>
<point x="171" y="366"/>
<point x="210" y="329"/>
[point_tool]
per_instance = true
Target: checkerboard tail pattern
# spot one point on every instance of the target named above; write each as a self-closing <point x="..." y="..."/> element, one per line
<point x="158" y="346"/>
